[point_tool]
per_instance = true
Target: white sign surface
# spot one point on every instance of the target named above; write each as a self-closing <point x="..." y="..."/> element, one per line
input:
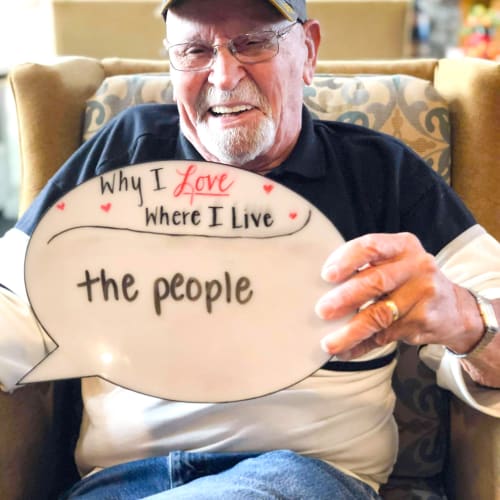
<point x="188" y="281"/>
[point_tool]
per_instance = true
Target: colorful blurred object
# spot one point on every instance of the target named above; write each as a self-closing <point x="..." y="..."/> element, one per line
<point x="479" y="33"/>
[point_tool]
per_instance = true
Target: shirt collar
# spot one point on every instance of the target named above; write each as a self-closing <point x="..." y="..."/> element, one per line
<point x="185" y="150"/>
<point x="305" y="159"/>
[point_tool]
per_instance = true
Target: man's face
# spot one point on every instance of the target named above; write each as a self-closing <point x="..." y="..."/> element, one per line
<point x="241" y="114"/>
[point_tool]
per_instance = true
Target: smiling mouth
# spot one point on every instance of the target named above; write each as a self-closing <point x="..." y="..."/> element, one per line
<point x="229" y="110"/>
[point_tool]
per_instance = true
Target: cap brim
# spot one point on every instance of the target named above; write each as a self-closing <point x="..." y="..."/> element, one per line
<point x="165" y="7"/>
<point x="285" y="9"/>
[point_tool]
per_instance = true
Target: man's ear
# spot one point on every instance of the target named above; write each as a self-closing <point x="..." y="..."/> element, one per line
<point x="312" y="40"/>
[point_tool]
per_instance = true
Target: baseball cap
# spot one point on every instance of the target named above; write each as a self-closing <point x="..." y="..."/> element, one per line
<point x="293" y="10"/>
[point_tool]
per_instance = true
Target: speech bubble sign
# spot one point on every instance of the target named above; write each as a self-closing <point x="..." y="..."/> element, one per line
<point x="189" y="281"/>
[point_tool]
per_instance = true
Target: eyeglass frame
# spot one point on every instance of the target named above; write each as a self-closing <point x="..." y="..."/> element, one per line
<point x="230" y="46"/>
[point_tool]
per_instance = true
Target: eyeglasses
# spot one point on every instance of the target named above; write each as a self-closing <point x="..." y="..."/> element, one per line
<point x="250" y="48"/>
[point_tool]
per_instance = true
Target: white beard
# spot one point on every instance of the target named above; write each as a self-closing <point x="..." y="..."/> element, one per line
<point x="238" y="145"/>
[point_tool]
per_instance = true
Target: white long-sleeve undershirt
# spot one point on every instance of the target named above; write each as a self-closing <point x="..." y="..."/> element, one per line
<point x="345" y="419"/>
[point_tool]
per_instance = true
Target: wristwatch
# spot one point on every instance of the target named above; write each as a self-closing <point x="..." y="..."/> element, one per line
<point x="490" y="326"/>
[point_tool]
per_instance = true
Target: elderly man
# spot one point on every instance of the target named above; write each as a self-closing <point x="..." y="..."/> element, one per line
<point x="238" y="68"/>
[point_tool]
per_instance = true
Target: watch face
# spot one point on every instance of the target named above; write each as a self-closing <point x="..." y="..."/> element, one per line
<point x="490" y="322"/>
<point x="488" y="314"/>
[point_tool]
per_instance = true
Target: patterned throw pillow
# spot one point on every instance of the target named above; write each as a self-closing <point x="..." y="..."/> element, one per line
<point x="405" y="107"/>
<point x="411" y="110"/>
<point x="117" y="93"/>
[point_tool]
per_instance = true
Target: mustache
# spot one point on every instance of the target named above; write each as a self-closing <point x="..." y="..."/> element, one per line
<point x="246" y="92"/>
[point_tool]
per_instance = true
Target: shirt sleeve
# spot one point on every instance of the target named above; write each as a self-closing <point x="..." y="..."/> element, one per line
<point x="23" y="343"/>
<point x="13" y="246"/>
<point x="471" y="260"/>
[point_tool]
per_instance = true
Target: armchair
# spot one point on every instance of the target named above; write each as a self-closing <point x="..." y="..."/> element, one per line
<point x="457" y="448"/>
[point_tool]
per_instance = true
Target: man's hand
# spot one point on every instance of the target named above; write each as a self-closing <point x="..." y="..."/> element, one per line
<point x="378" y="268"/>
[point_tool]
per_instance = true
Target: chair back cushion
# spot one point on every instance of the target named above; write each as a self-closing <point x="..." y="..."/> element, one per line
<point x="411" y="110"/>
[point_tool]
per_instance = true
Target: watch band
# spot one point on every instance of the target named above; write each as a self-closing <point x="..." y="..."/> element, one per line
<point x="490" y="326"/>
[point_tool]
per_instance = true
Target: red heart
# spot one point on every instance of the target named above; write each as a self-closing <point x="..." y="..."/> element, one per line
<point x="106" y="207"/>
<point x="60" y="206"/>
<point x="292" y="215"/>
<point x="268" y="188"/>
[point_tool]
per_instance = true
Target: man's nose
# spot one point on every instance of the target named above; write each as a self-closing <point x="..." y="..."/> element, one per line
<point x="226" y="71"/>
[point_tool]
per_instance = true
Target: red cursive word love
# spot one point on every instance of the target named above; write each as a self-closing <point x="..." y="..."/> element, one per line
<point x="193" y="184"/>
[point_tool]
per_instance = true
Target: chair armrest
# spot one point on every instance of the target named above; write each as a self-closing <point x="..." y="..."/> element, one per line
<point x="50" y="100"/>
<point x="471" y="87"/>
<point x="25" y="430"/>
<point x="474" y="462"/>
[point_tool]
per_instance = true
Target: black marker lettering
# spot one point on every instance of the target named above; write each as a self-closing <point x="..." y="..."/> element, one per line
<point x="158" y="186"/>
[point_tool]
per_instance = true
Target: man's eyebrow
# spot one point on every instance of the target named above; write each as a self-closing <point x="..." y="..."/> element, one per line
<point x="196" y="38"/>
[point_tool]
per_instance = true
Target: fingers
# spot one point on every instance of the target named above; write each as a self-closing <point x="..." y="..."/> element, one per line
<point x="366" y="250"/>
<point x="388" y="262"/>
<point x="358" y="350"/>
<point x="428" y="312"/>
<point x="367" y="285"/>
<point x="359" y="335"/>
<point x="392" y="283"/>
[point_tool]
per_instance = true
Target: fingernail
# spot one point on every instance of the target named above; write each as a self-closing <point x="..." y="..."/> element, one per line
<point x="332" y="350"/>
<point x="325" y="346"/>
<point x="329" y="343"/>
<point x="323" y="309"/>
<point x="329" y="273"/>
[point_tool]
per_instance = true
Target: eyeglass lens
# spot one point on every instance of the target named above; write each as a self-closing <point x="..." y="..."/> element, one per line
<point x="248" y="48"/>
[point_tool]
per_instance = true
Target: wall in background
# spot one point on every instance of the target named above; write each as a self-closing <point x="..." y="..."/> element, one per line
<point x="9" y="154"/>
<point x="25" y="35"/>
<point x="25" y="31"/>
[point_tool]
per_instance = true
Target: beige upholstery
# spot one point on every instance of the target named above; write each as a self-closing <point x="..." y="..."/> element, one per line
<point x="50" y="102"/>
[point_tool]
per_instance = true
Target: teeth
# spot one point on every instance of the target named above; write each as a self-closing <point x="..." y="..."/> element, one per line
<point x="220" y="110"/>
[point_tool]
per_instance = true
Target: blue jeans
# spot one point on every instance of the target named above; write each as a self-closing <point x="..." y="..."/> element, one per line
<point x="278" y="475"/>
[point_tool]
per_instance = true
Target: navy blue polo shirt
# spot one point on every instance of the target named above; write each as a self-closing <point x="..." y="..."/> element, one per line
<point x="362" y="180"/>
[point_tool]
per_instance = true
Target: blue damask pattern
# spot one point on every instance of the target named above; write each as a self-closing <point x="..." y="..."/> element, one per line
<point x="405" y="107"/>
<point x="120" y="92"/>
<point x="411" y="110"/>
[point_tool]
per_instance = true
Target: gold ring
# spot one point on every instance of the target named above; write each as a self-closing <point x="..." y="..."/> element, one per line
<point x="394" y="309"/>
